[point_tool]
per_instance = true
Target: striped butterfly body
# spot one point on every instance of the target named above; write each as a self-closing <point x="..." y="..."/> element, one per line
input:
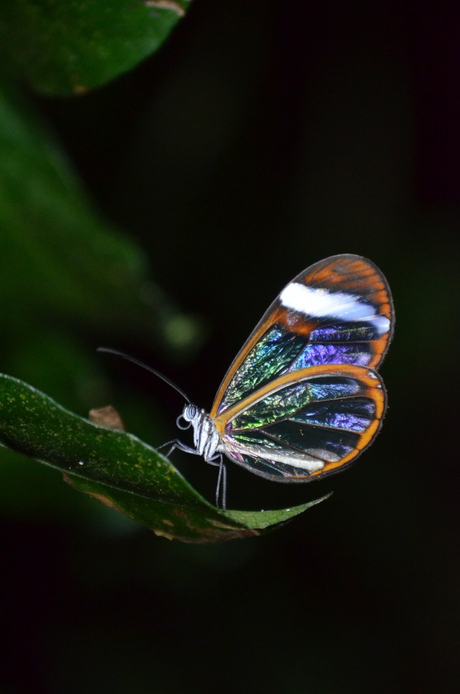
<point x="303" y="399"/>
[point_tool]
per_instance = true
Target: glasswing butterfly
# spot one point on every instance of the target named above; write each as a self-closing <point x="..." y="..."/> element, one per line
<point x="302" y="399"/>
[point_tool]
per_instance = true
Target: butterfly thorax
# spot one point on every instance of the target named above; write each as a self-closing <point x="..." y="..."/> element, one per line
<point x="205" y="435"/>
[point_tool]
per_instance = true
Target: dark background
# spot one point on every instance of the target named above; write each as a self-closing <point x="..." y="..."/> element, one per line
<point x="262" y="138"/>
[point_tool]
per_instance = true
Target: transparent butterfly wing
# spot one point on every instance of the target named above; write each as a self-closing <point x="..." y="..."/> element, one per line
<point x="338" y="311"/>
<point x="298" y="429"/>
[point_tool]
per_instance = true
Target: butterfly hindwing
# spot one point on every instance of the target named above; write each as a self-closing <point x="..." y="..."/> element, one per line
<point x="306" y="426"/>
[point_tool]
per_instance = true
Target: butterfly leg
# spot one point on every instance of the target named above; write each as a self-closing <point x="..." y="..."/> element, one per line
<point x="221" y="488"/>
<point x="223" y="479"/>
<point x="217" y="460"/>
<point x="175" y="443"/>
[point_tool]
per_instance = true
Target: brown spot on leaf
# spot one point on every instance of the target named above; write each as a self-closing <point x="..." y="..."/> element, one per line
<point x="107" y="417"/>
<point x="105" y="500"/>
<point x="100" y="497"/>
<point x="167" y="536"/>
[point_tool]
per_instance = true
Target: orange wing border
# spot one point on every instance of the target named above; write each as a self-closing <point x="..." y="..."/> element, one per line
<point x="375" y="390"/>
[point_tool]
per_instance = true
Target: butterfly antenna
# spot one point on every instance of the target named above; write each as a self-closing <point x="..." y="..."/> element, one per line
<point x="108" y="350"/>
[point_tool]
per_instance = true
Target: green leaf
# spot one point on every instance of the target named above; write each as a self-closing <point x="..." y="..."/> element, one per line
<point x="65" y="46"/>
<point x="120" y="470"/>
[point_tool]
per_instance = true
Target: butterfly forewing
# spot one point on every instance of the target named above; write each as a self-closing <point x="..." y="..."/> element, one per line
<point x="338" y="311"/>
<point x="296" y="429"/>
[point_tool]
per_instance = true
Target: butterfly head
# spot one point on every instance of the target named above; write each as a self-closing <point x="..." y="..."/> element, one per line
<point x="190" y="413"/>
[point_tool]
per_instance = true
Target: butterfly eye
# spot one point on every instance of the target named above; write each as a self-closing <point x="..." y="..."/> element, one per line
<point x="189" y="414"/>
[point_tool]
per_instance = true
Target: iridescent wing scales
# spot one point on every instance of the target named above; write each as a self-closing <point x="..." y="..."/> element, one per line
<point x="283" y="410"/>
<point x="304" y="426"/>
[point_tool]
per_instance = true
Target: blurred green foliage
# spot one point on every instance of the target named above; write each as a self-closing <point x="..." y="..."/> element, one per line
<point x="65" y="272"/>
<point x="60" y="257"/>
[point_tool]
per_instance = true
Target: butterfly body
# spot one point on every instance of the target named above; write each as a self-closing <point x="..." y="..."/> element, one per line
<point x="303" y="399"/>
<point x="205" y="435"/>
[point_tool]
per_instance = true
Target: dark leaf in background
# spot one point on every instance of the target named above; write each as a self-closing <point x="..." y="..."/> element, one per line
<point x="65" y="46"/>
